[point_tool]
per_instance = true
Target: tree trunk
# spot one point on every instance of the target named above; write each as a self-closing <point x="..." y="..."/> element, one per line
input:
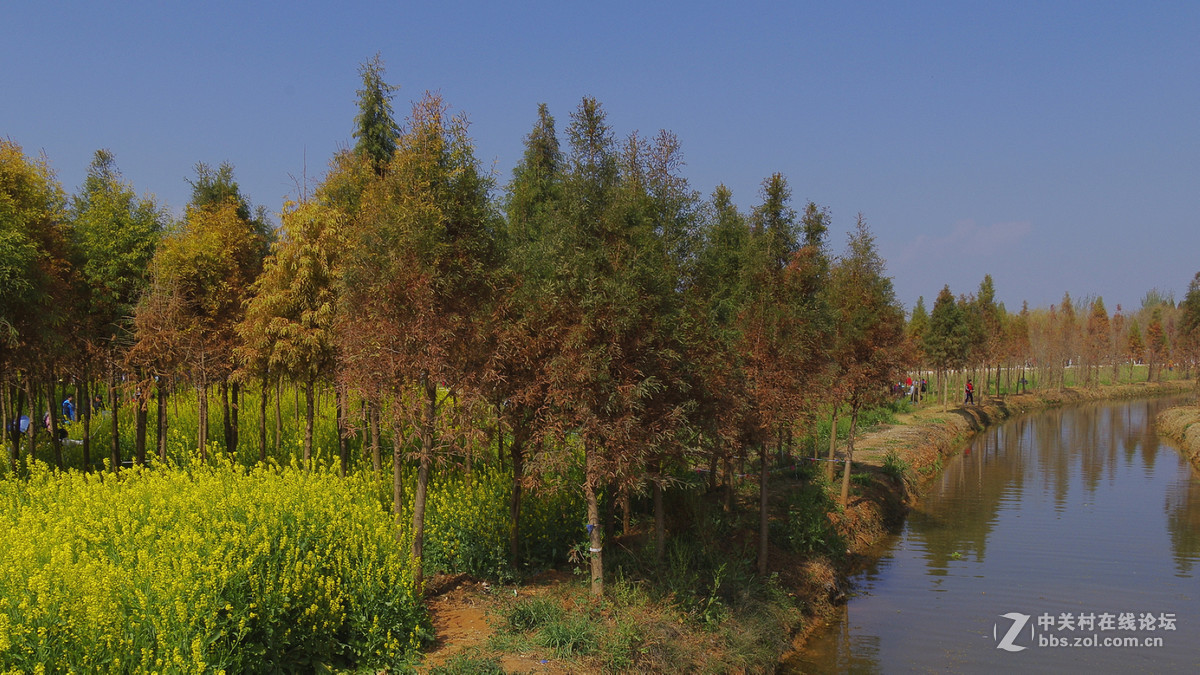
<point x="278" y="414"/>
<point x="140" y="411"/>
<point x="660" y="519"/>
<point x="763" y="516"/>
<point x="397" y="476"/>
<point x="55" y="443"/>
<point x="114" y="406"/>
<point x="418" y="524"/>
<point x="84" y="396"/>
<point x="309" y="413"/>
<point x="595" y="532"/>
<point x="262" y="419"/>
<point x="849" y="455"/>
<point x="373" y="415"/>
<point x="202" y="418"/>
<point x="162" y="418"/>
<point x="339" y="395"/>
<point x="235" y="416"/>
<point x="832" y="444"/>
<point x="516" y="451"/>
<point x="728" y="476"/>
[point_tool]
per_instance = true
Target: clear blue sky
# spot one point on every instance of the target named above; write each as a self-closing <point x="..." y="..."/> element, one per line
<point x="1053" y="145"/>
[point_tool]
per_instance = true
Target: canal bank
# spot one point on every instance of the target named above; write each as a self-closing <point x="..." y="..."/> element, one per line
<point x="920" y="442"/>
<point x="1182" y="426"/>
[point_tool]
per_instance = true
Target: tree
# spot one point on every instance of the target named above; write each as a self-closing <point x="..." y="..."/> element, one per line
<point x="990" y="323"/>
<point x="116" y="234"/>
<point x="35" y="276"/>
<point x="1096" y="344"/>
<point x="870" y="348"/>
<point x="918" y="326"/>
<point x="1066" y="339"/>
<point x="717" y="294"/>
<point x="783" y="323"/>
<point x="205" y="270"/>
<point x="947" y="340"/>
<point x="534" y="201"/>
<point x="418" y="271"/>
<point x="288" y="325"/>
<point x="1189" y="324"/>
<point x="1135" y="348"/>
<point x="1156" y="346"/>
<point x="374" y="125"/>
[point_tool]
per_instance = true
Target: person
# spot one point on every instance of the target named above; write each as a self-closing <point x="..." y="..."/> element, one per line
<point x="970" y="393"/>
<point x="68" y="408"/>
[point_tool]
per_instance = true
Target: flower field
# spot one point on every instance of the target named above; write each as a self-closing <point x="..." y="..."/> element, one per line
<point x="217" y="568"/>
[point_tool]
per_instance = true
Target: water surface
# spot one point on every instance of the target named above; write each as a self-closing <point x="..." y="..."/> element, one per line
<point x="1066" y="517"/>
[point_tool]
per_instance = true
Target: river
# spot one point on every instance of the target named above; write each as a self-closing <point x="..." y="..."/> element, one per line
<point x="1056" y="542"/>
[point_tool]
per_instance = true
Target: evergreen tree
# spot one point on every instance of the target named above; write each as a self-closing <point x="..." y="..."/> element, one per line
<point x="870" y="348"/>
<point x="947" y="340"/>
<point x="418" y="271"/>
<point x="116" y="234"/>
<point x="374" y="125"/>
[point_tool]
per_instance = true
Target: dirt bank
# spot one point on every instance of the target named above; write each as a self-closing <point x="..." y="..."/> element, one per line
<point x="1182" y="426"/>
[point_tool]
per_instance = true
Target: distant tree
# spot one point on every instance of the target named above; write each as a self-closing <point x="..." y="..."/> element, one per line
<point x="946" y="342"/>
<point x="1135" y="348"/>
<point x="214" y="190"/>
<point x="516" y="388"/>
<point x="1156" y="345"/>
<point x="918" y="326"/>
<point x="1018" y="347"/>
<point x="1066" y="339"/>
<point x="991" y="326"/>
<point x="1095" y="350"/>
<point x="1189" y="324"/>
<point x="1117" y="343"/>
<point x="374" y="125"/>
<point x="717" y="294"/>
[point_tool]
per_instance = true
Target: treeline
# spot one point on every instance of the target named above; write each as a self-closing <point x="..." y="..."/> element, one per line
<point x="1076" y="342"/>
<point x="599" y="314"/>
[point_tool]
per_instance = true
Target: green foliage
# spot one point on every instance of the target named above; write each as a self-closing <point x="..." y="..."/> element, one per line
<point x="374" y="125"/>
<point x="467" y="664"/>
<point x="947" y="340"/>
<point x="34" y="257"/>
<point x="896" y="467"/>
<point x="116" y="234"/>
<point x="807" y="528"/>
<point x="532" y="613"/>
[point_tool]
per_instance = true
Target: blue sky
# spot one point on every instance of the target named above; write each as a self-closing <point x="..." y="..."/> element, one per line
<point x="1053" y="145"/>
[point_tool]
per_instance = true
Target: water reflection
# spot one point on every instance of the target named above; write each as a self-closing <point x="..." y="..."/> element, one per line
<point x="1068" y="510"/>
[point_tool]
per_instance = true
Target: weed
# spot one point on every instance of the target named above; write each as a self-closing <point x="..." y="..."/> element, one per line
<point x="570" y="635"/>
<point x="896" y="467"/>
<point x="526" y="615"/>
<point x="464" y="664"/>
